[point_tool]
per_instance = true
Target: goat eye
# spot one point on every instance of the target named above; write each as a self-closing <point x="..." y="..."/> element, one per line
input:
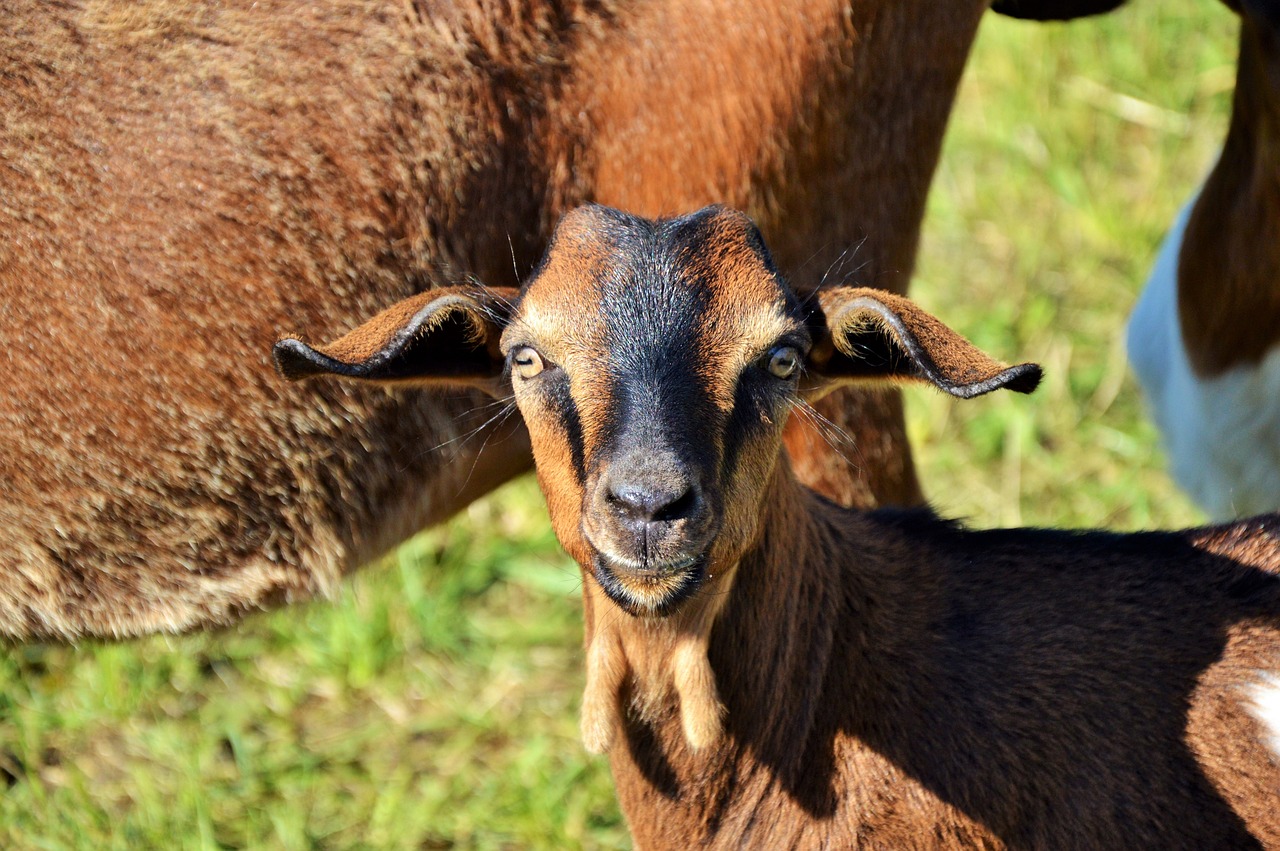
<point x="526" y="362"/>
<point x="783" y="362"/>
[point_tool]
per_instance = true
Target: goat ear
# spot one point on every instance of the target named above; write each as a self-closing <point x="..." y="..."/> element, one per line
<point x="869" y="335"/>
<point x="441" y="337"/>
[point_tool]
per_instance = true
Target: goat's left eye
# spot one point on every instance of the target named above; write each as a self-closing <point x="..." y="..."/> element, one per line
<point x="783" y="362"/>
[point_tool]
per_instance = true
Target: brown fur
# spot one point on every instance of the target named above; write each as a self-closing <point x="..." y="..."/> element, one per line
<point x="178" y="178"/>
<point x="885" y="679"/>
<point x="888" y="689"/>
<point x="1229" y="266"/>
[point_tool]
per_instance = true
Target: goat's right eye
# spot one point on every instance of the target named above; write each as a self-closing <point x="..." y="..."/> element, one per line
<point x="526" y="362"/>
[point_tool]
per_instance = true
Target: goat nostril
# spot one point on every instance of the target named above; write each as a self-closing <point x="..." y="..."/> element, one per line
<point x="653" y="505"/>
<point x="681" y="506"/>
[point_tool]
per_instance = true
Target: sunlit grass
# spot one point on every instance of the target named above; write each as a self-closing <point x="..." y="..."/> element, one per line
<point x="434" y="704"/>
<point x="1071" y="149"/>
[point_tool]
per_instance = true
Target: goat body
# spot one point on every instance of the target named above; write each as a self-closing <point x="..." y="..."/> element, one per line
<point x="892" y="680"/>
<point x="768" y="669"/>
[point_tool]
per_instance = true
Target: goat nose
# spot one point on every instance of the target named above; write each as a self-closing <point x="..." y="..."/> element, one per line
<point x="653" y="502"/>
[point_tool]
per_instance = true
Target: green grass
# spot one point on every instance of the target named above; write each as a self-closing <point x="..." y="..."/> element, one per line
<point x="1070" y="151"/>
<point x="435" y="703"/>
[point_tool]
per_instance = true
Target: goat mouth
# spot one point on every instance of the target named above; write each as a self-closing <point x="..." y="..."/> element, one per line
<point x="652" y="589"/>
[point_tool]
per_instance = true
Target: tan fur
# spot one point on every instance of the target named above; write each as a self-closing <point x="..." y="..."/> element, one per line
<point x="695" y="682"/>
<point x="859" y="318"/>
<point x="606" y="672"/>
<point x="884" y="679"/>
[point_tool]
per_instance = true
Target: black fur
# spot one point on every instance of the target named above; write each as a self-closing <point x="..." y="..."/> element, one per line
<point x="1054" y="10"/>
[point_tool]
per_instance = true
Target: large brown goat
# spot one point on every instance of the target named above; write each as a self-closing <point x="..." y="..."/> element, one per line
<point x="177" y="178"/>
<point x="887" y="679"/>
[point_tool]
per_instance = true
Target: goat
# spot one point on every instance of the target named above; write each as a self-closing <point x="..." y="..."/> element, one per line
<point x="174" y="173"/>
<point x="769" y="669"/>
<point x="1204" y="338"/>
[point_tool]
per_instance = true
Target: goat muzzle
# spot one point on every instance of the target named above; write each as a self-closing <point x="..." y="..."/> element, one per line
<point x="651" y="525"/>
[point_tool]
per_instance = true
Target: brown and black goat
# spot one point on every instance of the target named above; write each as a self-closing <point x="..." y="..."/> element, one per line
<point x="768" y="669"/>
<point x="177" y="176"/>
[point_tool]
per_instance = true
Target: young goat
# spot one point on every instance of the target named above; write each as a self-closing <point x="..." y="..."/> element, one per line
<point x="768" y="669"/>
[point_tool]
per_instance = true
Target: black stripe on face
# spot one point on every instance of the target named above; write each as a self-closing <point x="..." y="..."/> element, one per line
<point x="748" y="405"/>
<point x="652" y="310"/>
<point x="561" y="403"/>
<point x="661" y="416"/>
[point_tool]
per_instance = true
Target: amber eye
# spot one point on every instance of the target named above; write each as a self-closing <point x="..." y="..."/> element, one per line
<point x="526" y="362"/>
<point x="783" y="362"/>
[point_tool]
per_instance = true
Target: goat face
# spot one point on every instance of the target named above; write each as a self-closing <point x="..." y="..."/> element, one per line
<point x="655" y="364"/>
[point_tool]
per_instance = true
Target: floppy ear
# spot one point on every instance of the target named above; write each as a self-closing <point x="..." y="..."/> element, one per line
<point x="868" y="335"/>
<point x="444" y="337"/>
